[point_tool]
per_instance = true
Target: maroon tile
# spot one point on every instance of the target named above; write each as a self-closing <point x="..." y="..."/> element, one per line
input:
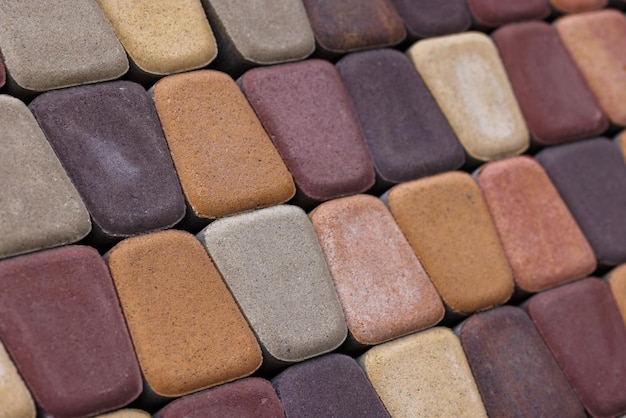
<point x="251" y="397"/>
<point x="514" y="369"/>
<point x="342" y="26"/>
<point x="492" y="13"/>
<point x="583" y="328"/>
<point x="553" y="96"/>
<point x="407" y="135"/>
<point x="591" y="178"/>
<point x="329" y="386"/>
<point x="428" y="18"/>
<point x="307" y="112"/>
<point x="61" y="322"/>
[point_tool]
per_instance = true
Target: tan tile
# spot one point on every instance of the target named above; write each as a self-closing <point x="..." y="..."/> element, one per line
<point x="617" y="282"/>
<point x="15" y="399"/>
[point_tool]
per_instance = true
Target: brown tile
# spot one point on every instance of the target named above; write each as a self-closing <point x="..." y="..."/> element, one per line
<point x="381" y="284"/>
<point x="577" y="6"/>
<point x="162" y="37"/>
<point x="185" y="325"/>
<point x="542" y="241"/>
<point x="225" y="161"/>
<point x="595" y="41"/>
<point x="467" y="79"/>
<point x="617" y="282"/>
<point x="492" y="13"/>
<point x="621" y="142"/>
<point x="342" y="26"/>
<point x="448" y="225"/>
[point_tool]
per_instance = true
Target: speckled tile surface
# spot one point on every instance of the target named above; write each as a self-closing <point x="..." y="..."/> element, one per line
<point x="428" y="18"/>
<point x="15" y="399"/>
<point x="492" y="13"/>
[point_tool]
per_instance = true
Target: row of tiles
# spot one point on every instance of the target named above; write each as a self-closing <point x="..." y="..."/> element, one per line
<point x="63" y="327"/>
<point x="310" y="128"/>
<point x="64" y="43"/>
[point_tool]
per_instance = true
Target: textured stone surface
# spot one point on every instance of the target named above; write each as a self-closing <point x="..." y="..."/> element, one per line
<point x="577" y="6"/>
<point x="423" y="375"/>
<point x="552" y="93"/>
<point x="428" y="18"/>
<point x="491" y="13"/>
<point x="262" y="32"/>
<point x="307" y="112"/>
<point x="110" y="142"/>
<point x="58" y="43"/>
<point x="342" y="26"/>
<point x="617" y="282"/>
<point x="160" y="37"/>
<point x="583" y="328"/>
<point x="591" y="178"/>
<point x="447" y="223"/>
<point x="3" y="74"/>
<point x="15" y="399"/>
<point x="252" y="397"/>
<point x="406" y="134"/>
<point x="40" y="207"/>
<point x="186" y="327"/>
<point x="384" y="291"/>
<point x="542" y="241"/>
<point x="467" y="79"/>
<point x="225" y="161"/>
<point x="514" y="369"/>
<point x="329" y="386"/>
<point x="272" y="263"/>
<point x="62" y="324"/>
<point x="594" y="40"/>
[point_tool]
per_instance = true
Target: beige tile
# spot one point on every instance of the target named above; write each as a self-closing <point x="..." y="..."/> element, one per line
<point x="15" y="399"/>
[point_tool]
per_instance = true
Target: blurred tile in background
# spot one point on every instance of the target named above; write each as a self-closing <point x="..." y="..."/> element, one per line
<point x="577" y="6"/>
<point x="493" y="13"/>
<point x="617" y="282"/>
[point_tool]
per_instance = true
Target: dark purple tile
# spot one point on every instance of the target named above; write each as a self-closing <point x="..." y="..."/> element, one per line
<point x="251" y="397"/>
<point x="582" y="326"/>
<point x="342" y="26"/>
<point x="553" y="96"/>
<point x="307" y="112"/>
<point x="330" y="386"/>
<point x="110" y="142"/>
<point x="492" y="13"/>
<point x="428" y="18"/>
<point x="407" y="135"/>
<point x="591" y="178"/>
<point x="514" y="369"/>
<point x="61" y="322"/>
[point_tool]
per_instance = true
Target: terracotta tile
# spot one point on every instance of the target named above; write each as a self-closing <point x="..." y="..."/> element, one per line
<point x="63" y="327"/>
<point x="428" y="18"/>
<point x="342" y="26"/>
<point x="542" y="241"/>
<point x="594" y="40"/>
<point x="225" y="161"/>
<point x="251" y="397"/>
<point x="185" y="325"/>
<point x="422" y="375"/>
<point x="447" y="223"/>
<point x="331" y="385"/>
<point x="577" y="6"/>
<point x="621" y="143"/>
<point x="467" y="79"/>
<point x="406" y="134"/>
<point x="15" y="399"/>
<point x="110" y="142"/>
<point x="514" y="369"/>
<point x="492" y="13"/>
<point x="552" y="93"/>
<point x="58" y="44"/>
<point x="307" y="112"/>
<point x="40" y="206"/>
<point x="261" y="32"/>
<point x="272" y="263"/>
<point x="582" y="326"/>
<point x="161" y="38"/>
<point x="617" y="282"/>
<point x="591" y="178"/>
<point x="384" y="291"/>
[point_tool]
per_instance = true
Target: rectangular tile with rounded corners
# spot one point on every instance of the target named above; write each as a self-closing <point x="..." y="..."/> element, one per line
<point x="185" y="325"/>
<point x="61" y="322"/>
<point x="467" y="79"/>
<point x="429" y="18"/>
<point x="492" y="13"/>
<point x="40" y="206"/>
<point x="272" y="263"/>
<point x="15" y="399"/>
